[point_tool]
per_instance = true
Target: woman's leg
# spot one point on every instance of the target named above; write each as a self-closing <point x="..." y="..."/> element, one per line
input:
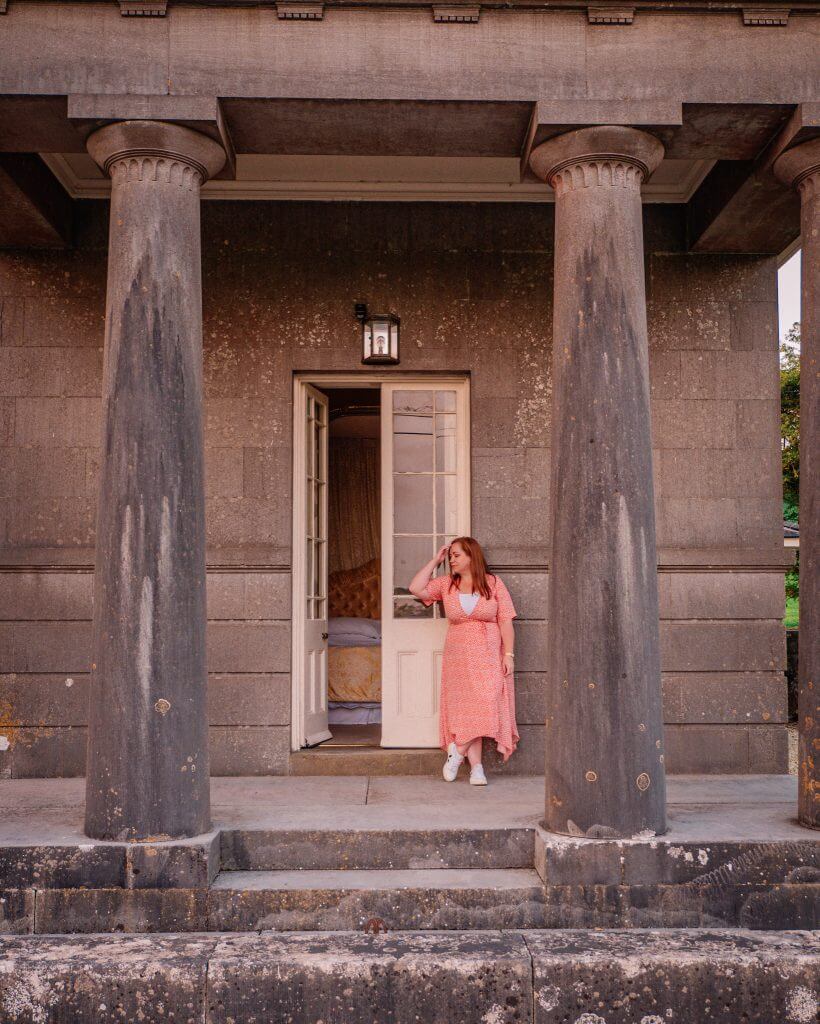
<point x="474" y="751"/>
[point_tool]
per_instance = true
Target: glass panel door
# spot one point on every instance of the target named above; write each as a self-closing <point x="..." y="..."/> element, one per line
<point x="313" y="689"/>
<point x="425" y="499"/>
<point x="425" y="467"/>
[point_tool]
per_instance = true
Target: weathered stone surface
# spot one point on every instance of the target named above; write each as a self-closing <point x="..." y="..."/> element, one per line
<point x="45" y="647"/>
<point x="94" y="979"/>
<point x="449" y="267"/>
<point x="249" y="698"/>
<point x="249" y="647"/>
<point x="716" y="749"/>
<point x="62" y="867"/>
<point x="253" y="595"/>
<point x="61" y="911"/>
<point x="721" y="595"/>
<point x="185" y="865"/>
<point x="752" y="646"/>
<point x="711" y="976"/>
<point x="723" y="697"/>
<point x="349" y="979"/>
<point x="248" y="901"/>
<point x="182" y="865"/>
<point x="604" y="768"/>
<point x="148" y="747"/>
<point x="800" y="167"/>
<point x="35" y="700"/>
<point x="249" y="749"/>
<point x="44" y="752"/>
<point x="565" y="861"/>
<point x="498" y="978"/>
<point x="347" y="900"/>
<point x="16" y="911"/>
<point x="255" y="850"/>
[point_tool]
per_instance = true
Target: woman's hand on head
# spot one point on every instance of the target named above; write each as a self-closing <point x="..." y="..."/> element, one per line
<point x="441" y="555"/>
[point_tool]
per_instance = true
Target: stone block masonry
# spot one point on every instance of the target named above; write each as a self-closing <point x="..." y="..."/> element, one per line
<point x="571" y="977"/>
<point x="473" y="284"/>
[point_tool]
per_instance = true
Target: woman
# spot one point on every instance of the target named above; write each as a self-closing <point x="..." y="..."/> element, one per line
<point x="477" y="697"/>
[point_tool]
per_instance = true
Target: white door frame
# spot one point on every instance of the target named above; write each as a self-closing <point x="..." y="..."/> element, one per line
<point x="362" y="379"/>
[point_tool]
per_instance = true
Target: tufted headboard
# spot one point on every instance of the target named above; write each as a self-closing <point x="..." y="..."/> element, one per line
<point x="356" y="592"/>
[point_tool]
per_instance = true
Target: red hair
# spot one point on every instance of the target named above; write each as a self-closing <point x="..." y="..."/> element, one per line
<point x="478" y="565"/>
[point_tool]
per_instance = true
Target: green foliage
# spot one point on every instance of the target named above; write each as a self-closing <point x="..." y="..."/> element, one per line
<point x="790" y="420"/>
<point x="793" y="580"/>
<point x="792" y="616"/>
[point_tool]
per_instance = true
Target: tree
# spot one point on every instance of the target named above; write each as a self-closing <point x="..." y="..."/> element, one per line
<point x="790" y="437"/>
<point x="790" y="421"/>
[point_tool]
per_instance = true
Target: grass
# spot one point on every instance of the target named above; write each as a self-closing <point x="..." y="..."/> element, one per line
<point x="790" y="620"/>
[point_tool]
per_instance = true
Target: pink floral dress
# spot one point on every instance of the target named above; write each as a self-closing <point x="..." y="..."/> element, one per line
<point x="477" y="699"/>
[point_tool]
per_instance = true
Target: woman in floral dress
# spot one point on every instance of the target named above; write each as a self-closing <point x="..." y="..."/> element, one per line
<point x="477" y="697"/>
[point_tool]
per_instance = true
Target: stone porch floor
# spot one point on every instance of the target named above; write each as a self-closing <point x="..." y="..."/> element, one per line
<point x="40" y="812"/>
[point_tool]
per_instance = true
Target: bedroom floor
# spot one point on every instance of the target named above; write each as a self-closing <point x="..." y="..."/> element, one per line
<point x="354" y="736"/>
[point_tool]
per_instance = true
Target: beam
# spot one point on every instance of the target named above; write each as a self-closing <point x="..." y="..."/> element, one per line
<point x="37" y="212"/>
<point x="741" y="206"/>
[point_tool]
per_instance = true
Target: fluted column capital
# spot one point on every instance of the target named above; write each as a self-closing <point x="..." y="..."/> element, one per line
<point x="157" y="151"/>
<point x="800" y="167"/>
<point x="606" y="155"/>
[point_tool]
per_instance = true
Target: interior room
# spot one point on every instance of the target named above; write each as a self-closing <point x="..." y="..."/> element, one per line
<point x="354" y="567"/>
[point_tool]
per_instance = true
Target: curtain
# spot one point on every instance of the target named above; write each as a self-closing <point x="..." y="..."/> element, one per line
<point x="354" y="508"/>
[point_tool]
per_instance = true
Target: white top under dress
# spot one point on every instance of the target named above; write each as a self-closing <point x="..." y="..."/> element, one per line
<point x="468" y="602"/>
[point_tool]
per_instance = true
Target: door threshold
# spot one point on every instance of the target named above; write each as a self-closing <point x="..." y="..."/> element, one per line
<point x="350" y="760"/>
<point x="359" y="735"/>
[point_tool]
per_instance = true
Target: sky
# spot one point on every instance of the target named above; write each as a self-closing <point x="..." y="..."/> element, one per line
<point x="788" y="293"/>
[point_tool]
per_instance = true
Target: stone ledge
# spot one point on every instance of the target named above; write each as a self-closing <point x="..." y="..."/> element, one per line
<point x="406" y="907"/>
<point x="499" y="978"/>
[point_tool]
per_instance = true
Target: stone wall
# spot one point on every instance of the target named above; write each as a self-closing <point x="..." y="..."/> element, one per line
<point x="473" y="285"/>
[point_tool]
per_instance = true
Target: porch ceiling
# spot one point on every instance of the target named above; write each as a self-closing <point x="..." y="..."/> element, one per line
<point x="717" y="155"/>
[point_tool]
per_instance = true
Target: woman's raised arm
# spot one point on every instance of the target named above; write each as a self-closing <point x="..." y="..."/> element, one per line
<point x="418" y="584"/>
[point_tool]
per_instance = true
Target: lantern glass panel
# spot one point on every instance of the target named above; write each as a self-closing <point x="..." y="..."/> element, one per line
<point x="367" y="334"/>
<point x="381" y="338"/>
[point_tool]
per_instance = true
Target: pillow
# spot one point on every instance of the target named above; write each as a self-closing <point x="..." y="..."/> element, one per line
<point x="346" y="631"/>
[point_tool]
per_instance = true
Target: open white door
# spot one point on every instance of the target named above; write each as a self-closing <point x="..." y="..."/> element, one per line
<point x="310" y="569"/>
<point x="425" y="503"/>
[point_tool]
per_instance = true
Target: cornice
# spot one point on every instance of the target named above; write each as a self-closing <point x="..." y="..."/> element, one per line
<point x="705" y="7"/>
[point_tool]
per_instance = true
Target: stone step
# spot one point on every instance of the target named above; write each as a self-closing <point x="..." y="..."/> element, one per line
<point x="367" y="761"/>
<point x="399" y="900"/>
<point x="237" y="903"/>
<point x="364" y="848"/>
<point x="620" y="977"/>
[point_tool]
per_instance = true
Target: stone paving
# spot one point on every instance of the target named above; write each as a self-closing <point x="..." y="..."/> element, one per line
<point x="753" y="807"/>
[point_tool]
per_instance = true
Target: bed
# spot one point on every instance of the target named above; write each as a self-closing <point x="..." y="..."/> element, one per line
<point x="354" y="646"/>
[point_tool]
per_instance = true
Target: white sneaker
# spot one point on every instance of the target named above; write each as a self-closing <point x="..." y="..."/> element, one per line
<point x="477" y="776"/>
<point x="452" y="764"/>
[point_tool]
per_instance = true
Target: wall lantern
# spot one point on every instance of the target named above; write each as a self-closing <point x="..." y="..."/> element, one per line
<point x="380" y="335"/>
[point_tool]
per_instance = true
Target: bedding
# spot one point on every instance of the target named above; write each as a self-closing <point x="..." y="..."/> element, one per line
<point x="361" y="713"/>
<point x="354" y="674"/>
<point x="346" y="631"/>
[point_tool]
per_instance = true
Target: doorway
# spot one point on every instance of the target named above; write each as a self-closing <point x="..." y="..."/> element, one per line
<point x="381" y="481"/>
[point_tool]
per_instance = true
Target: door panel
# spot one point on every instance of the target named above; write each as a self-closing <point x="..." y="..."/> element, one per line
<point x="314" y="570"/>
<point x="425" y="503"/>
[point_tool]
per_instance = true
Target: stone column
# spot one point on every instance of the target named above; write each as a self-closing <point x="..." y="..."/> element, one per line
<point x="604" y="771"/>
<point x="800" y="168"/>
<point x="147" y="771"/>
